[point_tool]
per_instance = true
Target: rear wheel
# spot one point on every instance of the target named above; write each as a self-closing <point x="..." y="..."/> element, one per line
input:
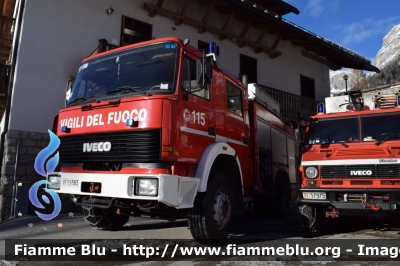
<point x="104" y="219"/>
<point x="278" y="203"/>
<point x="211" y="215"/>
<point x="280" y="207"/>
<point x="311" y="219"/>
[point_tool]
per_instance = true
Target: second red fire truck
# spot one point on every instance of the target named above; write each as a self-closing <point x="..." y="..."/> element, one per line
<point x="351" y="161"/>
<point x="159" y="128"/>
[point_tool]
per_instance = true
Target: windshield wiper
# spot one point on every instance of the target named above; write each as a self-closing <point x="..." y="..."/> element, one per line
<point x="80" y="99"/>
<point x="344" y="144"/>
<point x="389" y="137"/>
<point x="129" y="89"/>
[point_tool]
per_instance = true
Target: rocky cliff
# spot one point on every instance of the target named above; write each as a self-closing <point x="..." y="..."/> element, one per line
<point x="356" y="80"/>
<point x="386" y="60"/>
<point x="390" y="48"/>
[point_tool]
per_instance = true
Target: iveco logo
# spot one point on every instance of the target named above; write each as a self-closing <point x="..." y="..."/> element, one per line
<point x="97" y="146"/>
<point x="361" y="172"/>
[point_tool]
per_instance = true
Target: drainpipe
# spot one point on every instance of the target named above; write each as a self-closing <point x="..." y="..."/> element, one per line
<point x="11" y="82"/>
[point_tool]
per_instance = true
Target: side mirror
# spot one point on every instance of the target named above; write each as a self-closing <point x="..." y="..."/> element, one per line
<point x="303" y="122"/>
<point x="68" y="93"/>
<point x="204" y="70"/>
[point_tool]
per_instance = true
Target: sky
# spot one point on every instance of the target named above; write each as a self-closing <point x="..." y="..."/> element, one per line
<point x="359" y="25"/>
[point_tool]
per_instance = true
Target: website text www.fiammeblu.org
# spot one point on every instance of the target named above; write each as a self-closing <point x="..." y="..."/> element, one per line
<point x="153" y="250"/>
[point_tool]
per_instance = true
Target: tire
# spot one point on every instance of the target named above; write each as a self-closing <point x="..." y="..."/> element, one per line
<point x="104" y="219"/>
<point x="311" y="219"/>
<point x="277" y="205"/>
<point x="211" y="216"/>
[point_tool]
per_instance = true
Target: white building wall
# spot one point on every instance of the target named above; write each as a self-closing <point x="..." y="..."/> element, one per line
<point x="57" y="35"/>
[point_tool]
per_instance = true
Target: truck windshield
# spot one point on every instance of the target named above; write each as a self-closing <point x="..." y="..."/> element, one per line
<point x="143" y="70"/>
<point x="338" y="130"/>
<point x="380" y="127"/>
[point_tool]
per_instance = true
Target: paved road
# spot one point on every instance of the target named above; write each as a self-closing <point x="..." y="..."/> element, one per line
<point x="249" y="226"/>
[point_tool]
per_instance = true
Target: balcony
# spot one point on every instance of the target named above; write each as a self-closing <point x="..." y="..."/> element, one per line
<point x="292" y="104"/>
<point x="103" y="46"/>
<point x="6" y="38"/>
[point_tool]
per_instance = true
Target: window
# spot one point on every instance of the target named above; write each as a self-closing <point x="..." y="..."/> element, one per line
<point x="204" y="46"/>
<point x="234" y="99"/>
<point x="307" y="86"/>
<point x="134" y="31"/>
<point x="380" y="127"/>
<point x="248" y="66"/>
<point x="149" y="69"/>
<point x="326" y="131"/>
<point x="189" y="82"/>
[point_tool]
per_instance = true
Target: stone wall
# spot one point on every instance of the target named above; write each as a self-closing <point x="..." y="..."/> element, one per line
<point x="31" y="143"/>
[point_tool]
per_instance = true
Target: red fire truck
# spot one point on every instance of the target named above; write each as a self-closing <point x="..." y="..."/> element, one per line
<point x="159" y="128"/>
<point x="351" y="161"/>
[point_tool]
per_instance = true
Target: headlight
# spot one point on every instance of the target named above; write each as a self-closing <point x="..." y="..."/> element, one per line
<point x="146" y="187"/>
<point x="311" y="172"/>
<point x="55" y="182"/>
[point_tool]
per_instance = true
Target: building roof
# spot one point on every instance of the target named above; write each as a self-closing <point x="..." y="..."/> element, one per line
<point x="337" y="56"/>
<point x="265" y="15"/>
<point x="278" y="7"/>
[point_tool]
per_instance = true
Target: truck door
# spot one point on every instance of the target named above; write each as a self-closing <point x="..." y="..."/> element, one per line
<point x="219" y="100"/>
<point x="237" y="129"/>
<point x="197" y="126"/>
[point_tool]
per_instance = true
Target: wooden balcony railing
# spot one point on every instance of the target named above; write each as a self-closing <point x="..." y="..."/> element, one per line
<point x="102" y="47"/>
<point x="6" y="28"/>
<point x="292" y="104"/>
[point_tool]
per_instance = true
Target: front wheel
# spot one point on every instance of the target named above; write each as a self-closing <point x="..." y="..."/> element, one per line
<point x="104" y="219"/>
<point x="211" y="215"/>
<point x="311" y="219"/>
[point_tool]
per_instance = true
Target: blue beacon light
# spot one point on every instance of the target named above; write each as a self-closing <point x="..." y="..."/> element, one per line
<point x="320" y="108"/>
<point x="65" y="129"/>
<point x="398" y="101"/>
<point x="212" y="48"/>
<point x="130" y="123"/>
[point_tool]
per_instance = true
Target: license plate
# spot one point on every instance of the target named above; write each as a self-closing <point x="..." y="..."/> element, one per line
<point x="314" y="195"/>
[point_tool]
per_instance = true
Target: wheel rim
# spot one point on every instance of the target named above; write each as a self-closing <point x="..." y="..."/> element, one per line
<point x="222" y="209"/>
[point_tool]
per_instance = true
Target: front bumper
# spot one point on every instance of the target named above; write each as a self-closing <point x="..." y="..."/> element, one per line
<point x="350" y="201"/>
<point x="175" y="191"/>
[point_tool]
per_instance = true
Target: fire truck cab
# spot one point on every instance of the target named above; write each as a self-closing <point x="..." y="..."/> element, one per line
<point x="350" y="162"/>
<point x="159" y="128"/>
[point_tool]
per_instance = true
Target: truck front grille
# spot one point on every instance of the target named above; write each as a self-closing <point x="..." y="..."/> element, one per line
<point x="360" y="171"/>
<point x="126" y="146"/>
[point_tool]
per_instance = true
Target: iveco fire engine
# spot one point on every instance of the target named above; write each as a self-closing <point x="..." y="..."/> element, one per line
<point x="351" y="160"/>
<point x="159" y="128"/>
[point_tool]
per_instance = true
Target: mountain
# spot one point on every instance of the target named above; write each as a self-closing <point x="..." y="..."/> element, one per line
<point x="356" y="81"/>
<point x="390" y="48"/>
<point x="387" y="60"/>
